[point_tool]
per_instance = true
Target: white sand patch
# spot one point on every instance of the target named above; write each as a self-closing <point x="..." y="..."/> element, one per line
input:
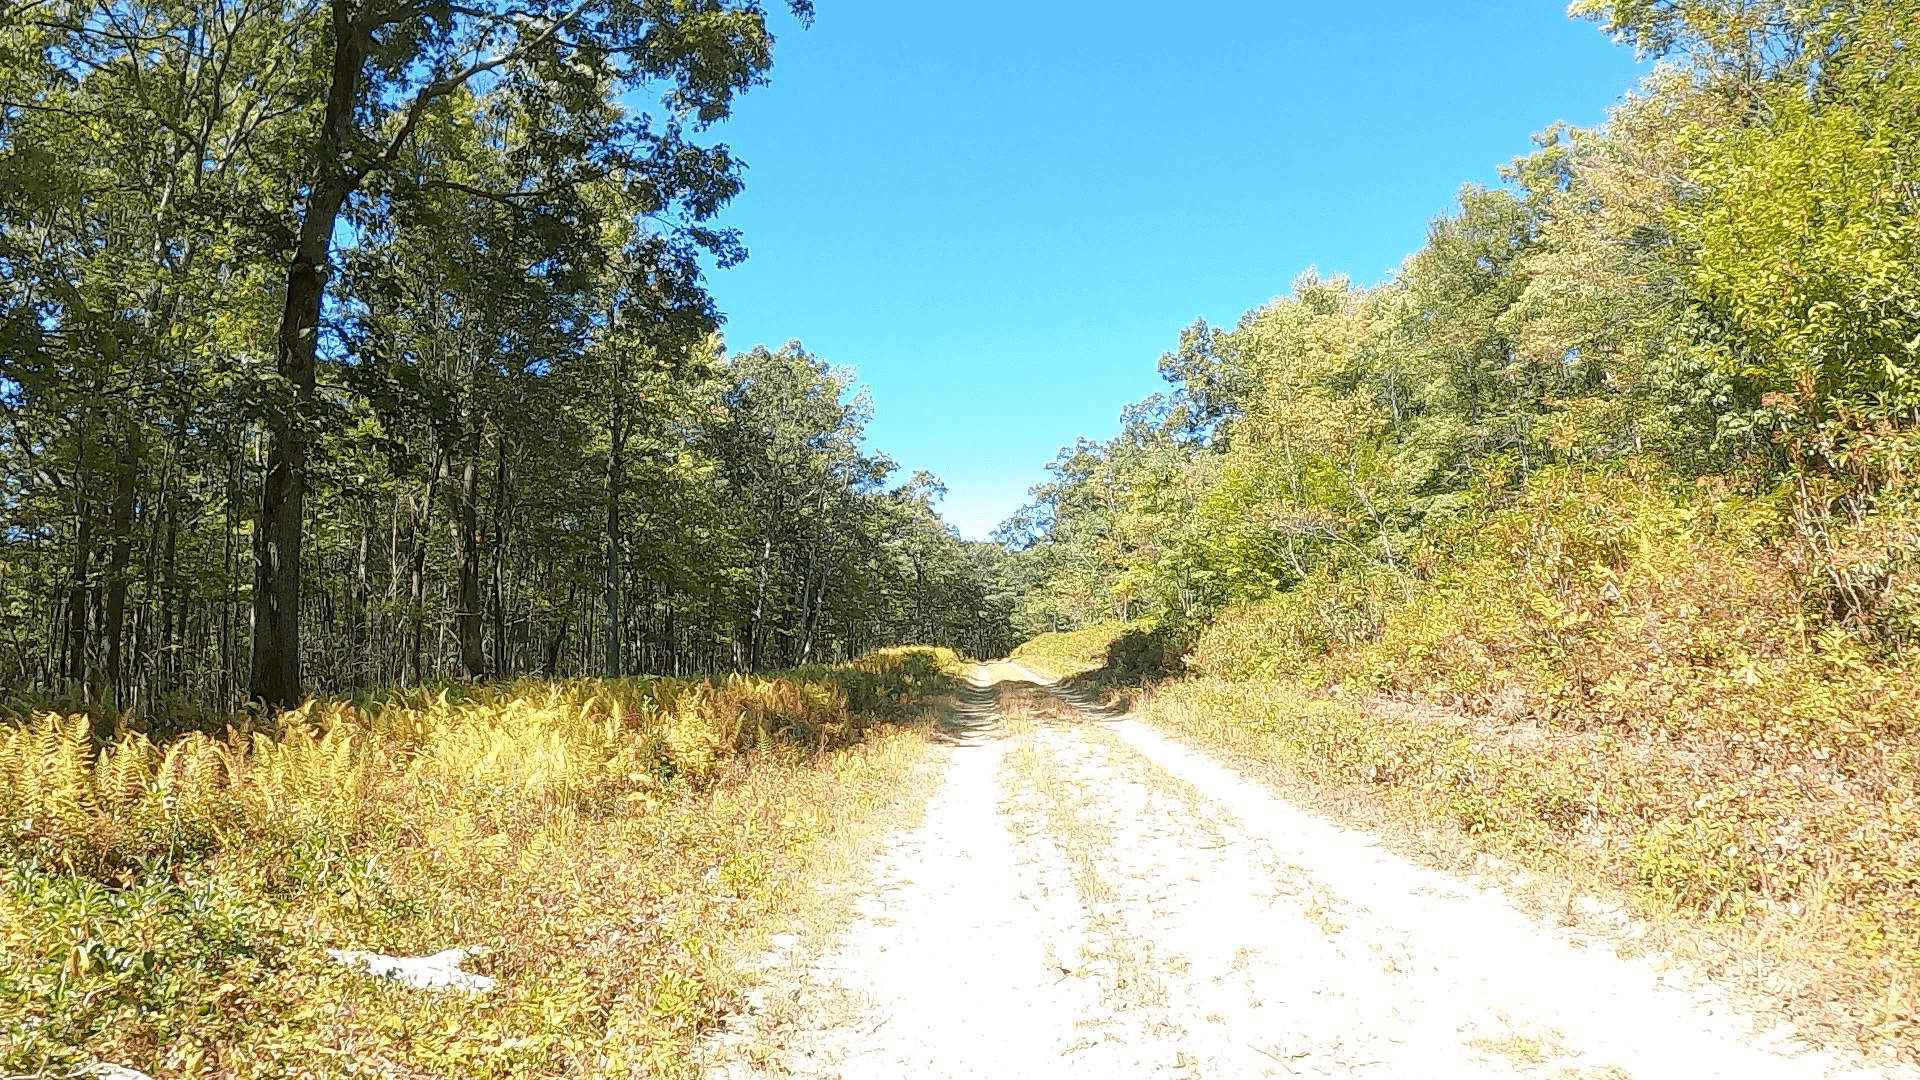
<point x="945" y="966"/>
<point x="440" y="971"/>
<point x="1095" y="900"/>
<point x="108" y="1071"/>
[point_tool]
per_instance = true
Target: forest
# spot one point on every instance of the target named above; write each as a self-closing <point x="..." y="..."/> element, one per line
<point x="1717" y="289"/>
<point x="397" y="560"/>
<point x="346" y="346"/>
<point x="393" y="553"/>
<point x="1586" y="544"/>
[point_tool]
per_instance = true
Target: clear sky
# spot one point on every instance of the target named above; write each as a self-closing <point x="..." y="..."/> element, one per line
<point x="1000" y="213"/>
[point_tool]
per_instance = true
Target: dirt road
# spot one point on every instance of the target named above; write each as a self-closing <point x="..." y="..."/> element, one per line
<point x="1087" y="898"/>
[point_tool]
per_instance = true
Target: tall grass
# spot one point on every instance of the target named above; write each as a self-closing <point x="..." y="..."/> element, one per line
<point x="1636" y="683"/>
<point x="1630" y="684"/>
<point x="1072" y="652"/>
<point x="609" y="847"/>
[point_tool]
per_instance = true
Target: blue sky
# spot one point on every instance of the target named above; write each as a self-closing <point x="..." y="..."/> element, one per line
<point x="1001" y="213"/>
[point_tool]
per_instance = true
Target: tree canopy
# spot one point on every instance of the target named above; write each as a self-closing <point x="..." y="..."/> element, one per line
<point x="1723" y="281"/>
<point x="349" y="342"/>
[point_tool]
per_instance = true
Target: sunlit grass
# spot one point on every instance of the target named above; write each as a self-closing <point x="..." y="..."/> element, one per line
<point x="1071" y="652"/>
<point x="612" y="849"/>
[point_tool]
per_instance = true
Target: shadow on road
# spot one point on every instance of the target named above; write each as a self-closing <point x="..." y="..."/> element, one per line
<point x="975" y="715"/>
<point x="981" y="703"/>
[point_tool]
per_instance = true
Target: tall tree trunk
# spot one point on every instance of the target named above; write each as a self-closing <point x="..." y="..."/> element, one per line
<point x="74" y="669"/>
<point x="819" y="605"/>
<point x="274" y="670"/>
<point x="757" y="632"/>
<point x="810" y="599"/>
<point x="172" y="606"/>
<point x="53" y="668"/>
<point x="466" y="555"/>
<point x="125" y="467"/>
<point x="502" y="654"/>
<point x="396" y="574"/>
<point x="417" y="584"/>
<point x="236" y="484"/>
<point x="669" y="636"/>
<point x="551" y="668"/>
<point x="359" y="601"/>
<point x="76" y="647"/>
<point x="616" y="439"/>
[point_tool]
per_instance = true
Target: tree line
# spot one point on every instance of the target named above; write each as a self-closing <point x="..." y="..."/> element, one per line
<point x="1720" y="284"/>
<point x="356" y="342"/>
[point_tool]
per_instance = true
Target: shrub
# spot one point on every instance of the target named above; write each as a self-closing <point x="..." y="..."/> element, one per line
<point x="1143" y="655"/>
<point x="1626" y="675"/>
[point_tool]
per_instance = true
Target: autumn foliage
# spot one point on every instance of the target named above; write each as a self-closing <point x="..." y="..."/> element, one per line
<point x="609" y="848"/>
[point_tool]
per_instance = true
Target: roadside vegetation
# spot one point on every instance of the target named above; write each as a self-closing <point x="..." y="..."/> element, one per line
<point x="610" y="851"/>
<point x="1074" y="652"/>
<point x="1588" y="540"/>
<point x="395" y="558"/>
<point x="381" y="366"/>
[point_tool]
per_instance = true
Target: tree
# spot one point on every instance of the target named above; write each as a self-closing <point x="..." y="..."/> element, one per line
<point x="514" y="432"/>
<point x="393" y="64"/>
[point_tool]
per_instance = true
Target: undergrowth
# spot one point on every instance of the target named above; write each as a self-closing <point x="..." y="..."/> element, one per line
<point x="607" y="848"/>
<point x="1072" y="652"/>
<point x="1633" y="685"/>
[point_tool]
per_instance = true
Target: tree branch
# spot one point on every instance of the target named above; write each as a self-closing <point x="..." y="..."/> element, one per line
<point x="440" y="88"/>
<point x="504" y="198"/>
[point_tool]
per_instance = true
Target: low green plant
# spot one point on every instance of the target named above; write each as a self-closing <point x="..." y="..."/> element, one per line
<point x="1072" y="652"/>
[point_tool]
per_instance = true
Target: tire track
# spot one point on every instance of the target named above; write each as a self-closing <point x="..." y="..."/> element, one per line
<point x="1087" y="898"/>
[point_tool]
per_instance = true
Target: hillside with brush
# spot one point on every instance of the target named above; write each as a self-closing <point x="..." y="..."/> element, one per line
<point x="1586" y="542"/>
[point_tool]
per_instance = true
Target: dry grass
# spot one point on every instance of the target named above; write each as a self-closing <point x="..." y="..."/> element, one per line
<point x="1558" y="818"/>
<point x="1624" y="689"/>
<point x="787" y="999"/>
<point x="1073" y="652"/>
<point x="616" y="849"/>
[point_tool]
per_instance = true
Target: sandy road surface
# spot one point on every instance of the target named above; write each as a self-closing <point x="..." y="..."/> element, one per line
<point x="1086" y="897"/>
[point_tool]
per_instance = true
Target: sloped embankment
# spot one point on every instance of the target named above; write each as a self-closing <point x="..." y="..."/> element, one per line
<point x="1622" y="691"/>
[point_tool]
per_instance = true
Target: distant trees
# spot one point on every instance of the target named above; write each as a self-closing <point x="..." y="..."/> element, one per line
<point x="345" y="343"/>
<point x="1724" y="280"/>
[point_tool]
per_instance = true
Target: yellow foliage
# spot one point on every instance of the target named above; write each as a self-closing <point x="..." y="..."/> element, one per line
<point x="603" y="838"/>
<point x="1619" y="677"/>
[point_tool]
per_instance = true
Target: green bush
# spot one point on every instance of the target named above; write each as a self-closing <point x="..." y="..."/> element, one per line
<point x="1143" y="655"/>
